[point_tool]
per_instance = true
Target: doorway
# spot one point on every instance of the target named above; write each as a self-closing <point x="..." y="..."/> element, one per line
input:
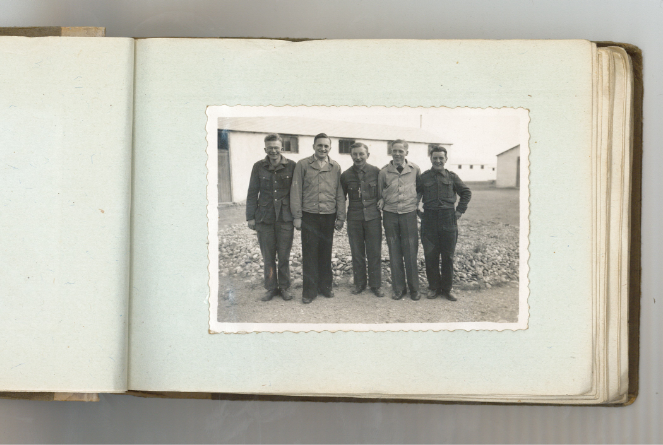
<point x="224" y="184"/>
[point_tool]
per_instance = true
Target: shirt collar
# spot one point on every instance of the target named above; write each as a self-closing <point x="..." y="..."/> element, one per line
<point x="406" y="167"/>
<point x="313" y="162"/>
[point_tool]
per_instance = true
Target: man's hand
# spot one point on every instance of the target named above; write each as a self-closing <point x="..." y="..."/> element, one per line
<point x="458" y="215"/>
<point x="297" y="223"/>
<point x="339" y="224"/>
<point x="380" y="204"/>
<point x="420" y="210"/>
<point x="252" y="224"/>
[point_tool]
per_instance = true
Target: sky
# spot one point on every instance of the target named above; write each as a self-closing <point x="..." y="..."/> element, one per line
<point x="477" y="135"/>
<point x="476" y="139"/>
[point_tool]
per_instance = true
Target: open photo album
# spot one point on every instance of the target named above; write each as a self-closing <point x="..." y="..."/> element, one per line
<point x="441" y="220"/>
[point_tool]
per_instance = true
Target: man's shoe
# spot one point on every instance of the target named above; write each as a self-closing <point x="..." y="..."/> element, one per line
<point x="269" y="295"/>
<point x="377" y="292"/>
<point x="306" y="300"/>
<point x="328" y="294"/>
<point x="397" y="295"/>
<point x="285" y="294"/>
<point x="432" y="294"/>
<point x="449" y="297"/>
<point x="357" y="290"/>
<point x="415" y="296"/>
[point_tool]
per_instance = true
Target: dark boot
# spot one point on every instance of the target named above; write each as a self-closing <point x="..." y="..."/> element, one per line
<point x="270" y="294"/>
<point x="357" y="290"/>
<point x="377" y="291"/>
<point x="285" y="294"/>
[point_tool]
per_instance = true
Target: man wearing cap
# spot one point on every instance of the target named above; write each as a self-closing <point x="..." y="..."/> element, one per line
<point x="439" y="223"/>
<point x="318" y="206"/>
<point x="397" y="188"/>
<point x="360" y="186"/>
<point x="268" y="213"/>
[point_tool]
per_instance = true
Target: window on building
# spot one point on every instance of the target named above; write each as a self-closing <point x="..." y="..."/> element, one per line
<point x="290" y="143"/>
<point x="344" y="145"/>
<point x="482" y="167"/>
<point x="471" y="167"/>
<point x="460" y="167"/>
<point x="493" y="168"/>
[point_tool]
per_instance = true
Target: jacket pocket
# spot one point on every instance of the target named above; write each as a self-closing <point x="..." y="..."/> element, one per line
<point x="447" y="188"/>
<point x="284" y="182"/>
<point x="265" y="182"/>
<point x="430" y="190"/>
<point x="372" y="190"/>
<point x="354" y="191"/>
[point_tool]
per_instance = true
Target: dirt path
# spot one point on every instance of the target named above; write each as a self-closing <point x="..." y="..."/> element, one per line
<point x="241" y="303"/>
<point x="486" y="254"/>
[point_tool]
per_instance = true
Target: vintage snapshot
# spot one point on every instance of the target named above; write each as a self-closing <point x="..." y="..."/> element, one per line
<point x="367" y="218"/>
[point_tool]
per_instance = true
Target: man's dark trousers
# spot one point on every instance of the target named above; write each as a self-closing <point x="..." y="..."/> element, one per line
<point x="439" y="233"/>
<point x="403" y="242"/>
<point x="276" y="239"/>
<point x="366" y="241"/>
<point x="317" y="240"/>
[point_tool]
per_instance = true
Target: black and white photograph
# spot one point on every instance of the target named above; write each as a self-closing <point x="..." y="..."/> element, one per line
<point x="367" y="218"/>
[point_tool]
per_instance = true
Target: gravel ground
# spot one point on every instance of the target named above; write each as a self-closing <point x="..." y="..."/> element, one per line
<point x="486" y="279"/>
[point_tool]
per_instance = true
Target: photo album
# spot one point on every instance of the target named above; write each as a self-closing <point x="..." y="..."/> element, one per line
<point x="420" y="220"/>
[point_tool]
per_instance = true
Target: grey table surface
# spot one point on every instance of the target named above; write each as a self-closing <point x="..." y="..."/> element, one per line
<point x="118" y="418"/>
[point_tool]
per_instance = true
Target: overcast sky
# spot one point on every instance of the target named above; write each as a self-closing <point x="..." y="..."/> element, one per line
<point x="477" y="135"/>
<point x="475" y="138"/>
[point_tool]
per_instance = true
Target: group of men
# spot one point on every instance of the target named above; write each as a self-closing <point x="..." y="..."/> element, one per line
<point x="311" y="196"/>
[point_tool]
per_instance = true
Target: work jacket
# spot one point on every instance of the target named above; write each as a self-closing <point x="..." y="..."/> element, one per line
<point x="316" y="190"/>
<point x="439" y="190"/>
<point x="268" y="199"/>
<point x="399" y="190"/>
<point x="361" y="188"/>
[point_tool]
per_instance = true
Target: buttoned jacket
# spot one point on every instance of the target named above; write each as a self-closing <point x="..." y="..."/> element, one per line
<point x="439" y="190"/>
<point x="269" y="191"/>
<point x="317" y="190"/>
<point x="360" y="186"/>
<point x="399" y="190"/>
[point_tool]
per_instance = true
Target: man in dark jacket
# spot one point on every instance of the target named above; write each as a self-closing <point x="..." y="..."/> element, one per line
<point x="439" y="229"/>
<point x="360" y="186"/>
<point x="268" y="213"/>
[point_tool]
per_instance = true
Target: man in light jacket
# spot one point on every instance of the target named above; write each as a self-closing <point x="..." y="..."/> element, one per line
<point x="397" y="188"/>
<point x="318" y="206"/>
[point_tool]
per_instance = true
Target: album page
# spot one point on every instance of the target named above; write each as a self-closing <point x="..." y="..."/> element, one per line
<point x="65" y="156"/>
<point x="496" y="137"/>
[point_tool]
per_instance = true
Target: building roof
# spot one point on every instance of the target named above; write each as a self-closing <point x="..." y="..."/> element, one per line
<point x="310" y="127"/>
<point x="512" y="148"/>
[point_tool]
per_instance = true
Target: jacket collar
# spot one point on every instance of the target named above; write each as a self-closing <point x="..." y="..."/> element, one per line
<point x="362" y="169"/>
<point x="281" y="164"/>
<point x="444" y="173"/>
